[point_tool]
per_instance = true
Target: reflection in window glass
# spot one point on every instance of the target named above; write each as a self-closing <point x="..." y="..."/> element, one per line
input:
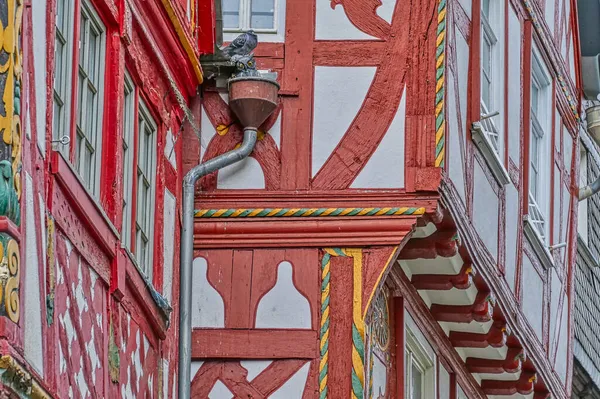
<point x="262" y="14"/>
<point x="231" y="14"/>
<point x="417" y="382"/>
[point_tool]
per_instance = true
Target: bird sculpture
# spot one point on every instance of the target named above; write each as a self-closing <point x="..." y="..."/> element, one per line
<point x="242" y="45"/>
<point x="244" y="65"/>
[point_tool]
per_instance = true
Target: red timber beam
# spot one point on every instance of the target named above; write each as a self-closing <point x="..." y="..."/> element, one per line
<point x="481" y="310"/>
<point x="461" y="281"/>
<point x="511" y="364"/>
<point x="496" y="337"/>
<point x="524" y="385"/>
<point x="439" y="244"/>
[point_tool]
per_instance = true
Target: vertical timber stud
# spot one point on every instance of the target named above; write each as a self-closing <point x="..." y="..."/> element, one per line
<point x="358" y="322"/>
<point x="11" y="13"/>
<point x="440" y="72"/>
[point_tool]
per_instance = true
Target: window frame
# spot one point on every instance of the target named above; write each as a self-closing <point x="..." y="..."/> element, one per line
<point x="245" y="19"/>
<point x="69" y="123"/>
<point x="131" y="182"/>
<point x="128" y="140"/>
<point x="415" y="353"/>
<point x="146" y="266"/>
<point x="540" y="128"/>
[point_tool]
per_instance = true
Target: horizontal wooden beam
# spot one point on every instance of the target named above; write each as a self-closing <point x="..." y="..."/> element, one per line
<point x="254" y="344"/>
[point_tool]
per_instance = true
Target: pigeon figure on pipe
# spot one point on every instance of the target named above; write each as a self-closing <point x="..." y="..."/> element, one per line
<point x="242" y="45"/>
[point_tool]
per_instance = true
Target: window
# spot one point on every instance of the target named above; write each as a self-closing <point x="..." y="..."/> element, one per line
<point x="582" y="218"/>
<point x="489" y="72"/>
<point x="146" y="168"/>
<point x="88" y="59"/>
<point x="139" y="178"/>
<point x="128" y="150"/>
<point x="62" y="73"/>
<point x="242" y="15"/>
<point x="418" y="366"/>
<point x="539" y="147"/>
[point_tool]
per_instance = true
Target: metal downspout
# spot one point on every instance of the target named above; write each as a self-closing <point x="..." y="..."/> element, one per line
<point x="187" y="251"/>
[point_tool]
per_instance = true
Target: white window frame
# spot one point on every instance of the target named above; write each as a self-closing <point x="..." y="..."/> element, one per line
<point x="416" y="352"/>
<point x="128" y="145"/>
<point x="245" y="17"/>
<point x="144" y="117"/>
<point x="541" y="127"/>
<point x="582" y="215"/>
<point x="275" y="34"/>
<point x="88" y="132"/>
<point x="489" y="27"/>
<point x="63" y="72"/>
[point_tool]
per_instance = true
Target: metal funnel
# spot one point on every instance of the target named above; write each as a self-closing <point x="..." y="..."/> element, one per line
<point x="252" y="99"/>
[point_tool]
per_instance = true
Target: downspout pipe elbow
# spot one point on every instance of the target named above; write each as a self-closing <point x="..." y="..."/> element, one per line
<point x="588" y="191"/>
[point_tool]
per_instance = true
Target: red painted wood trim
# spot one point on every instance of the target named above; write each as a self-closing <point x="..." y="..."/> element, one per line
<point x="306" y="232"/>
<point x="205" y="31"/>
<point x="136" y="110"/>
<point x="85" y="207"/>
<point x="7" y="225"/>
<point x="254" y="344"/>
<point x="552" y="164"/>
<point x="399" y="350"/>
<point x="349" y="53"/>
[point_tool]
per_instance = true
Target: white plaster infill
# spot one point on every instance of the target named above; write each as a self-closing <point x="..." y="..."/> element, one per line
<point x="538" y="246"/>
<point x="489" y="153"/>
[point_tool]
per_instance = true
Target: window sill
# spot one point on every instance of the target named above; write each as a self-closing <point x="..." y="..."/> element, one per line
<point x="586" y="254"/>
<point x="492" y="159"/>
<point x="539" y="247"/>
<point x="87" y="208"/>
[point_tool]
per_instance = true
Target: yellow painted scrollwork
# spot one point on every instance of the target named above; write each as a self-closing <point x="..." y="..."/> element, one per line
<point x="10" y="277"/>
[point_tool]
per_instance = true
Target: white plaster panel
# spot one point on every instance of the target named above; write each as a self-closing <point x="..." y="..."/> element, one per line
<point x="557" y="191"/>
<point x="220" y="391"/>
<point x="444" y="383"/>
<point x="565" y="231"/>
<point x="379" y="377"/>
<point x="454" y="155"/>
<point x="568" y="148"/>
<point x="571" y="61"/>
<point x="336" y="104"/>
<point x="467" y="6"/>
<point x="294" y="387"/>
<point x="386" y="10"/>
<point x="33" y="308"/>
<point x="385" y="169"/>
<point x="533" y="296"/>
<point x="208" y="310"/>
<point x="165" y="377"/>
<point x="333" y="24"/>
<point x="38" y="9"/>
<point x="170" y="149"/>
<point x="207" y="132"/>
<point x="42" y="216"/>
<point x="514" y="86"/>
<point x="255" y="367"/>
<point x="556" y="287"/>
<point x="560" y="364"/>
<point x="168" y="244"/>
<point x="462" y="60"/>
<point x="283" y="306"/>
<point x="275" y="131"/>
<point x="246" y="174"/>
<point x="485" y="211"/>
<point x="512" y="229"/>
<point x="194" y="367"/>
<point x="549" y="13"/>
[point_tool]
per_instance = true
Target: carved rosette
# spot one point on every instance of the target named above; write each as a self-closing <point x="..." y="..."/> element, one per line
<point x="11" y="12"/>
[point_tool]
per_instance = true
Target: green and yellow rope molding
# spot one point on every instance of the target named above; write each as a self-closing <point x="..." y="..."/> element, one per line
<point x="304" y="212"/>
<point x="358" y="324"/>
<point x="440" y="71"/>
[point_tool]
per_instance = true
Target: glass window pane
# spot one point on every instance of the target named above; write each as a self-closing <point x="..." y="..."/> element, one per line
<point x="231" y="14"/>
<point x="262" y="14"/>
<point x="485" y="8"/>
<point x="93" y="49"/>
<point x="416" y="382"/>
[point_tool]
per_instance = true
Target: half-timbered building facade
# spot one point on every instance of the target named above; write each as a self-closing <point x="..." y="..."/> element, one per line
<point x="405" y="224"/>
